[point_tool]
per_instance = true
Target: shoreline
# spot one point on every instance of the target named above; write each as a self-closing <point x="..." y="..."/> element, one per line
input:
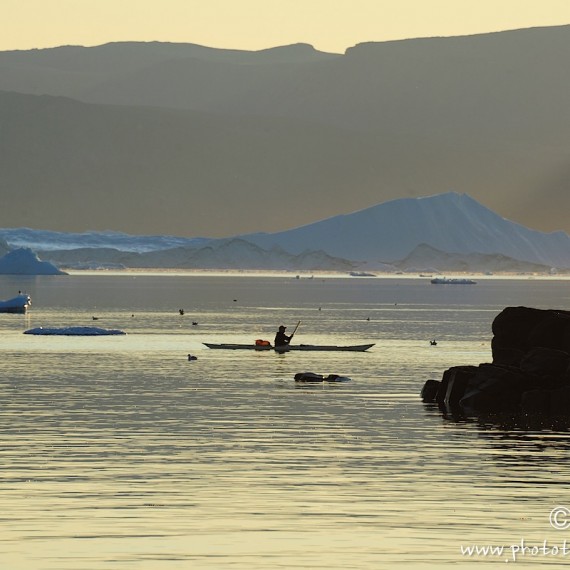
<point x="309" y="275"/>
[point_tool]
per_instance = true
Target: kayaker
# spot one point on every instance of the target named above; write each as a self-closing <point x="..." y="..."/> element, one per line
<point x="281" y="339"/>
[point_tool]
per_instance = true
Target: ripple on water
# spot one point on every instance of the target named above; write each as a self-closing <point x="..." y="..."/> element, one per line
<point x="122" y="453"/>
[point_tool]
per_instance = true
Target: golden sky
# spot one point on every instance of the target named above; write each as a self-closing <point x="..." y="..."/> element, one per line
<point x="329" y="25"/>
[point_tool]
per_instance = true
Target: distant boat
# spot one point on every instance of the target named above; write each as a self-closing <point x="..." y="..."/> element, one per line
<point x="452" y="281"/>
<point x="18" y="304"/>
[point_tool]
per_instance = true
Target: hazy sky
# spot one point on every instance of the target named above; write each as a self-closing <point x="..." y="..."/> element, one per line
<point x="330" y="25"/>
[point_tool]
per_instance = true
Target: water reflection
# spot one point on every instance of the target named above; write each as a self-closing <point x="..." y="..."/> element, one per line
<point x="508" y="422"/>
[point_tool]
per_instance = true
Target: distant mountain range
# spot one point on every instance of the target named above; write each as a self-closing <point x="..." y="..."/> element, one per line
<point x="44" y="239"/>
<point x="445" y="232"/>
<point x="225" y="254"/>
<point x="452" y="223"/>
<point x="186" y="140"/>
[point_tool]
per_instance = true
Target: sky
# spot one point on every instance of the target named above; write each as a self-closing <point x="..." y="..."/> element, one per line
<point x="329" y="25"/>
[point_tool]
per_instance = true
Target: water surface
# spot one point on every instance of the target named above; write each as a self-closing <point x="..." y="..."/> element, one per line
<point x="117" y="452"/>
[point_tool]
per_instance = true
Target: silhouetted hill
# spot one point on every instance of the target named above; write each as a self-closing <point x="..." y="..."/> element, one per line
<point x="425" y="258"/>
<point x="487" y="115"/>
<point x="221" y="254"/>
<point x="112" y="69"/>
<point x="73" y="166"/>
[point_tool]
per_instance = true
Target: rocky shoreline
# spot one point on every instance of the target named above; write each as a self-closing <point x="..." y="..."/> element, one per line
<point x="529" y="374"/>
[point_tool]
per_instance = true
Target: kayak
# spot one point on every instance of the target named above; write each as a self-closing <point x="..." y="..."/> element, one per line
<point x="351" y="348"/>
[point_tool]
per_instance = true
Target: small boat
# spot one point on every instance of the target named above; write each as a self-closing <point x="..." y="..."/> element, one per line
<point x="18" y="304"/>
<point x="289" y="347"/>
<point x="452" y="281"/>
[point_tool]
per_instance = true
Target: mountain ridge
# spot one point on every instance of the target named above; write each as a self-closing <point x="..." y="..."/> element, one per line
<point x="485" y="114"/>
<point x="445" y="231"/>
<point x="225" y="254"/>
<point x="451" y="222"/>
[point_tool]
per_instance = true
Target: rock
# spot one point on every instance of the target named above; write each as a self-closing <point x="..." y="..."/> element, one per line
<point x="308" y="377"/>
<point x="454" y="384"/>
<point x="336" y="378"/>
<point x="311" y="377"/>
<point x="494" y="388"/>
<point x="552" y="331"/>
<point x="536" y="402"/>
<point x="560" y="401"/>
<point x="429" y="391"/>
<point x="529" y="374"/>
<point x="505" y="354"/>
<point x="518" y="329"/>
<point x="516" y="323"/>
<point x="543" y="361"/>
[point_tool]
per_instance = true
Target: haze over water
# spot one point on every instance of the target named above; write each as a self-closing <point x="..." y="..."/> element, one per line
<point x="117" y="452"/>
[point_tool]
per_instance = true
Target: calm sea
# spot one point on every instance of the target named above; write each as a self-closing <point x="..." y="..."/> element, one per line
<point x="120" y="453"/>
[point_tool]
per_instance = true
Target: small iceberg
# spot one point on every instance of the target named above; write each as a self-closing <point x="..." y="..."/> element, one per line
<point x="75" y="331"/>
<point x="23" y="261"/>
<point x="17" y="304"/>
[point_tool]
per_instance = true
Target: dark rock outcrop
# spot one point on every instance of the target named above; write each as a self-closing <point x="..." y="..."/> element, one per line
<point x="529" y="374"/>
<point x="516" y="330"/>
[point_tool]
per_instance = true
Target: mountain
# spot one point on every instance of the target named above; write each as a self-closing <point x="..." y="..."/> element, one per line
<point x="142" y="170"/>
<point x="443" y="232"/>
<point x="483" y="76"/>
<point x="425" y="258"/>
<point x="450" y="222"/>
<point x="99" y="74"/>
<point x="224" y="254"/>
<point x="187" y="140"/>
<point x="184" y="76"/>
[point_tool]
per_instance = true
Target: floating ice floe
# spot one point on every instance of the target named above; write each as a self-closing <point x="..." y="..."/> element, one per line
<point x="18" y="304"/>
<point x="75" y="331"/>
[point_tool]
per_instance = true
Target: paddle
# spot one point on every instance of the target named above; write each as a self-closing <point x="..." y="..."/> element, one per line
<point x="294" y="331"/>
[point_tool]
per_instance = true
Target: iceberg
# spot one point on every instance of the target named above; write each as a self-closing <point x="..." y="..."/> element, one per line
<point x="23" y="261"/>
<point x="17" y="304"/>
<point x="74" y="331"/>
